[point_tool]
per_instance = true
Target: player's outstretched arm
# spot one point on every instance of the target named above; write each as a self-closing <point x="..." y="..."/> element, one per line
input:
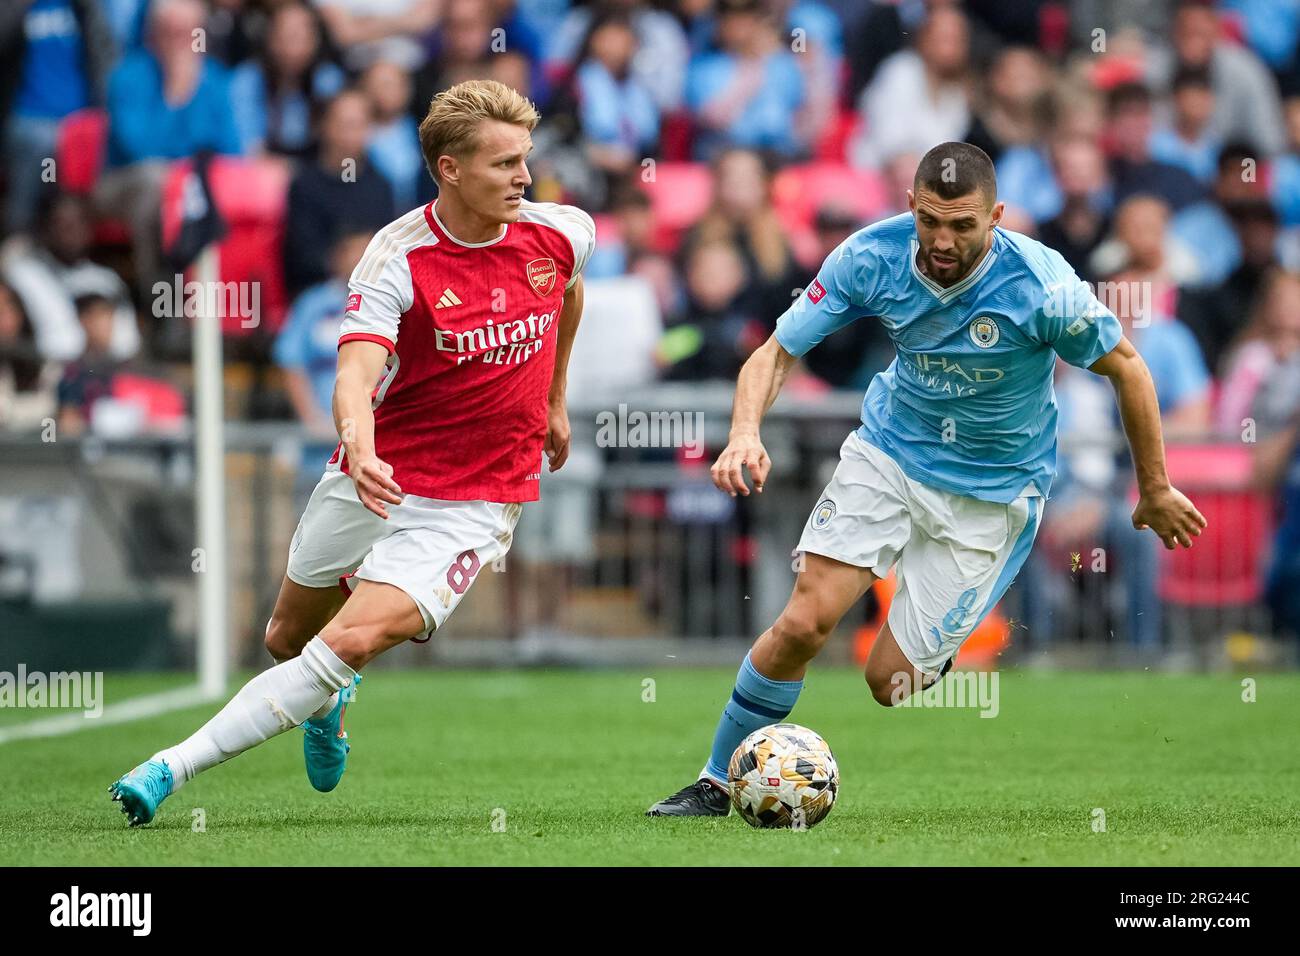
<point x="557" y="415"/>
<point x="760" y="382"/>
<point x="360" y="364"/>
<point x="1161" y="507"/>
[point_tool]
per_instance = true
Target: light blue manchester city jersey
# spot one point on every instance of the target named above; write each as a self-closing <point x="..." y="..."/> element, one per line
<point x="967" y="405"/>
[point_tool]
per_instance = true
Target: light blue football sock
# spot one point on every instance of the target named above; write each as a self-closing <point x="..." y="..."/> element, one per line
<point x="755" y="702"/>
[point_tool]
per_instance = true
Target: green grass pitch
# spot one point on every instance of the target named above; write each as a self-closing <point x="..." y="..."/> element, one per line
<point x="1184" y="770"/>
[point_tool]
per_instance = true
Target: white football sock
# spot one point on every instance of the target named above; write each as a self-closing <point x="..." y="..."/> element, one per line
<point x="326" y="707"/>
<point x="274" y="701"/>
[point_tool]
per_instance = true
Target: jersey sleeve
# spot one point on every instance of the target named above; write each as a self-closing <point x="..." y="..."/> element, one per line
<point x="840" y="293"/>
<point x="1074" y="322"/>
<point x="581" y="231"/>
<point x="379" y="293"/>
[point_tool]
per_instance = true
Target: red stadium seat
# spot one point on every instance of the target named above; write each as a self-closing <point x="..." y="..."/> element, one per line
<point x="83" y="137"/>
<point x="676" y="132"/>
<point x="799" y="191"/>
<point x="679" y="194"/>
<point x="607" y="229"/>
<point x="251" y="195"/>
<point x="833" y="145"/>
<point x="1225" y="564"/>
<point x="163" y="403"/>
<point x="79" y="161"/>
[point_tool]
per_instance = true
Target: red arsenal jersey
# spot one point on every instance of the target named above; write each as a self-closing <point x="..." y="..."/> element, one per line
<point x="460" y="411"/>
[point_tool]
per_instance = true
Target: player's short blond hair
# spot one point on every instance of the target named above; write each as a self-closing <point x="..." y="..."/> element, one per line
<point x="451" y="125"/>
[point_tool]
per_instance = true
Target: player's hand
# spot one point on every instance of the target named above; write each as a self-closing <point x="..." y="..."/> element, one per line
<point x="1170" y="515"/>
<point x="375" y="485"/>
<point x="743" y="451"/>
<point x="557" y="435"/>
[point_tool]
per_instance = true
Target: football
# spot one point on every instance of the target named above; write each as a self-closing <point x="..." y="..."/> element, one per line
<point x="783" y="775"/>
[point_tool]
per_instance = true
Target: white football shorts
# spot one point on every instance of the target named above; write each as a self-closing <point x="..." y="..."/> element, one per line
<point x="955" y="555"/>
<point x="430" y="548"/>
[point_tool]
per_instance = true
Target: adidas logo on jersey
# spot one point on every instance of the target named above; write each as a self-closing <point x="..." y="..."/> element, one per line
<point x="448" y="299"/>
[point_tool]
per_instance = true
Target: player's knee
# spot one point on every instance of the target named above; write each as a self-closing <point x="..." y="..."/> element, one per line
<point x="280" y="640"/>
<point x="882" y="691"/>
<point x="800" y="632"/>
<point x="887" y="689"/>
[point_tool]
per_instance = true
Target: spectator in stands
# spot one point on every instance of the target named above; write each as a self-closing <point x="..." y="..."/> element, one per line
<point x="1245" y="93"/>
<point x="1206" y="228"/>
<point x="920" y="96"/>
<point x="742" y="213"/>
<point x="89" y="378"/>
<point x="274" y="95"/>
<point x="660" y="61"/>
<point x="1188" y="141"/>
<point x="1286" y="169"/>
<point x="231" y="30"/>
<point x="619" y="117"/>
<point x="49" y="273"/>
<point x="1267" y="343"/>
<point x="721" y="327"/>
<point x="1132" y="168"/>
<point x="1013" y="110"/>
<point x="659" y="271"/>
<point x="166" y="101"/>
<point x="1141" y="243"/>
<point x="1277" y="468"/>
<point x="1217" y="314"/>
<point x="339" y="192"/>
<point x="850" y="357"/>
<point x="128" y="20"/>
<point x="632" y="214"/>
<point x="307" y="351"/>
<point x="370" y="30"/>
<point x="1078" y="229"/>
<point x="900" y="175"/>
<point x="169" y="101"/>
<point x="56" y="56"/>
<point x="816" y="37"/>
<point x="395" y="143"/>
<point x="27" y="380"/>
<point x="1169" y="349"/>
<point x="465" y="50"/>
<point x="1026" y="174"/>
<point x="747" y="93"/>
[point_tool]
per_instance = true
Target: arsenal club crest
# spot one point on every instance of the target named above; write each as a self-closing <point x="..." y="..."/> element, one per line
<point x="541" y="275"/>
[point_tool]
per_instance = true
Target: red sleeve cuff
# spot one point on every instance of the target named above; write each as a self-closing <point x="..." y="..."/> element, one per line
<point x="368" y="337"/>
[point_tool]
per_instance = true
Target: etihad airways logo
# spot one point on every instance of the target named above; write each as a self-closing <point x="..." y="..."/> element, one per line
<point x="949" y="375"/>
<point x="498" y="343"/>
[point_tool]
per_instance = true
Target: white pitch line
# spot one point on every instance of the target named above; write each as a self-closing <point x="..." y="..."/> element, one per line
<point x="138" y="708"/>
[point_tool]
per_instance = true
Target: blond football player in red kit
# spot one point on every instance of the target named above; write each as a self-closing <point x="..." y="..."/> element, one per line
<point x="453" y="356"/>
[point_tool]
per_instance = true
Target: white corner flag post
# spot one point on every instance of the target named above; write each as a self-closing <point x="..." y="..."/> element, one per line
<point x="209" y="447"/>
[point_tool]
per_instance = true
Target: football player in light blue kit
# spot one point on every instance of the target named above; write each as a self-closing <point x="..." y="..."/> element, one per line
<point x="947" y="476"/>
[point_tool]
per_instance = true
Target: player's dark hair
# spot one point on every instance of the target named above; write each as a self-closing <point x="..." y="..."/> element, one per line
<point x="951" y="170"/>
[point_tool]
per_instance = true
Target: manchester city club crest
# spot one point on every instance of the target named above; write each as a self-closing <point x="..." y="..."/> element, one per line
<point x="984" y="332"/>
<point x="823" y="514"/>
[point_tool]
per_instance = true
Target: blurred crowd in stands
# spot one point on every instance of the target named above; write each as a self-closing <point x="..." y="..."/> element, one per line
<point x="724" y="147"/>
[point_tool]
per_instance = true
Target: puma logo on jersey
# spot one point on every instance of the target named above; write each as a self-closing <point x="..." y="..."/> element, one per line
<point x="448" y="299"/>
